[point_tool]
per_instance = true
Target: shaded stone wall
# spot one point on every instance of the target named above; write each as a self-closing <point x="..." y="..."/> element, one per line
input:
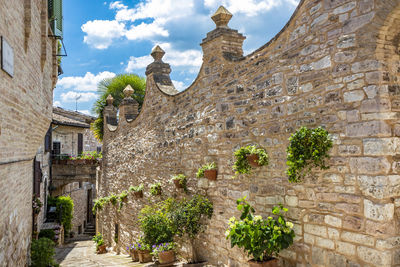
<point x="25" y="116"/>
<point x="336" y="64"/>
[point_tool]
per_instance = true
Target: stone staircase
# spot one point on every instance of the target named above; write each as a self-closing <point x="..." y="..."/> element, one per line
<point x="90" y="230"/>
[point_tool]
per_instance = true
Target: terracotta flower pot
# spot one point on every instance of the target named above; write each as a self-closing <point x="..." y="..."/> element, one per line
<point x="271" y="263"/>
<point x="166" y="257"/>
<point x="134" y="254"/>
<point x="196" y="264"/>
<point x="102" y="249"/>
<point x="177" y="183"/>
<point x="210" y="174"/>
<point x="253" y="160"/>
<point x="144" y="256"/>
<point x="138" y="194"/>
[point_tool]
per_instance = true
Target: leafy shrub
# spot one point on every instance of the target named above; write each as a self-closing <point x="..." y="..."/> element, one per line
<point x="42" y="252"/>
<point x="155" y="224"/>
<point x="188" y="216"/>
<point x="308" y="148"/>
<point x="65" y="208"/>
<point x="242" y="165"/>
<point x="99" y="203"/>
<point x="98" y="239"/>
<point x="155" y="189"/>
<point x="208" y="166"/>
<point x="48" y="233"/>
<point x="262" y="239"/>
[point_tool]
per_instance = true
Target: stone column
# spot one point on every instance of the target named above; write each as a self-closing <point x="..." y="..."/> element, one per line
<point x="129" y="108"/>
<point x="222" y="41"/>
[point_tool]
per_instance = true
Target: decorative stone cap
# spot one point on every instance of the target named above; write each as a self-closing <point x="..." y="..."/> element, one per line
<point x="109" y="100"/>
<point x="128" y="91"/>
<point x="221" y="17"/>
<point x="157" y="53"/>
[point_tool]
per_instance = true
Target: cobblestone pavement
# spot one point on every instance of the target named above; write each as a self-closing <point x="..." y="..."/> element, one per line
<point x="82" y="254"/>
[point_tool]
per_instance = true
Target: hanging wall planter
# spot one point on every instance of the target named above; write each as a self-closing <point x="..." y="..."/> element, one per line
<point x="208" y="171"/>
<point x="249" y="157"/>
<point x="253" y="160"/>
<point x="137" y="191"/>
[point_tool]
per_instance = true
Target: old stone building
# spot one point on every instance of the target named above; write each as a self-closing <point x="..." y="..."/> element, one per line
<point x="27" y="77"/>
<point x="71" y="136"/>
<point x="335" y="64"/>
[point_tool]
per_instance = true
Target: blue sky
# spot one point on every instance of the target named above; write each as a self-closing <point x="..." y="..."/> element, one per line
<point x="105" y="38"/>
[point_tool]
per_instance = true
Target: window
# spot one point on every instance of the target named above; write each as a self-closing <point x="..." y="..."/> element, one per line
<point x="37" y="177"/>
<point x="56" y="149"/>
<point x="80" y="143"/>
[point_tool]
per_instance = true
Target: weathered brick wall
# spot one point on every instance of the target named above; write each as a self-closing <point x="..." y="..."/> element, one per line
<point x="335" y="64"/>
<point x="25" y="115"/>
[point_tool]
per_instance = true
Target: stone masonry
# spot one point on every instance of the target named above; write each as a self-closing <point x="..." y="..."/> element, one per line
<point x="25" y="116"/>
<point x="335" y="64"/>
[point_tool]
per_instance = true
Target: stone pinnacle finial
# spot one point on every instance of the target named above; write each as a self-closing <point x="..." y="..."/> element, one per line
<point x="128" y="91"/>
<point x="221" y="17"/>
<point x="109" y="100"/>
<point x="157" y="53"/>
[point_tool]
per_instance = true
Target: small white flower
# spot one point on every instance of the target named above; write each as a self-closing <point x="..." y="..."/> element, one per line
<point x="289" y="224"/>
<point x="257" y="218"/>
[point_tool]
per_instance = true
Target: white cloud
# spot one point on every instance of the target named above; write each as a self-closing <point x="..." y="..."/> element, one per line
<point x="247" y="7"/>
<point x="138" y="63"/>
<point x="179" y="85"/>
<point x="85" y="111"/>
<point x="101" y="33"/>
<point x="86" y="83"/>
<point x="71" y="96"/>
<point x="145" y="31"/>
<point x="187" y="58"/>
<point x="57" y="104"/>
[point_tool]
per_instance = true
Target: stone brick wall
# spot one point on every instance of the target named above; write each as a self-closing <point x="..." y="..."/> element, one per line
<point x="25" y="115"/>
<point x="336" y="64"/>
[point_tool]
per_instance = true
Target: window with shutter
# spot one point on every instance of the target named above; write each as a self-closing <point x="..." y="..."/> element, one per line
<point x="80" y="143"/>
<point x="37" y="177"/>
<point x="56" y="17"/>
<point x="47" y="141"/>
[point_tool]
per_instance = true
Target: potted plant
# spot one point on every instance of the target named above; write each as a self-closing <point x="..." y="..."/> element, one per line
<point x="188" y="219"/>
<point x="208" y="170"/>
<point x="122" y="198"/>
<point x="137" y="190"/>
<point x="36" y="205"/>
<point x="262" y="239"/>
<point x="165" y="253"/>
<point x="144" y="251"/>
<point x="133" y="251"/>
<point x="249" y="156"/>
<point x="155" y="189"/>
<point x="179" y="180"/>
<point x="100" y="246"/>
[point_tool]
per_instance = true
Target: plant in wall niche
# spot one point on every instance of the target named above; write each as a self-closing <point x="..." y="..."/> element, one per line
<point x="155" y="189"/>
<point x="308" y="148"/>
<point x="208" y="170"/>
<point x="122" y="197"/>
<point x="180" y="181"/>
<point x="113" y="199"/>
<point x="249" y="156"/>
<point x="137" y="190"/>
<point x="261" y="238"/>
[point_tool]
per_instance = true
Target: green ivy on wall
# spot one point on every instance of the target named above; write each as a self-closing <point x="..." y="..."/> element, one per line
<point x="308" y="148"/>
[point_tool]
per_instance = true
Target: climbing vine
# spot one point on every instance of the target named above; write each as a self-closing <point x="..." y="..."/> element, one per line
<point x="308" y="148"/>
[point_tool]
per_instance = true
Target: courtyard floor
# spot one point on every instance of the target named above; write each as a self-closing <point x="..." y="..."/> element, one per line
<point x="81" y="253"/>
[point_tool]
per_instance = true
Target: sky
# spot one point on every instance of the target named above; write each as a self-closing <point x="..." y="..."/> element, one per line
<point x="106" y="38"/>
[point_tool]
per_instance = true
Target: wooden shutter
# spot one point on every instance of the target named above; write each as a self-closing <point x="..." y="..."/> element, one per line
<point x="56" y="17"/>
<point x="80" y="143"/>
<point x="37" y="177"/>
<point x="47" y="141"/>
